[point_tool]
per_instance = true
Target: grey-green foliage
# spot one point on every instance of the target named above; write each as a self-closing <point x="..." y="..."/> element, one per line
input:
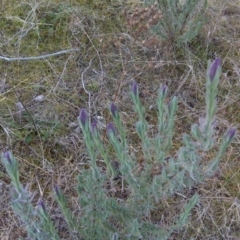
<point x="105" y="216"/>
<point x="181" y="19"/>
<point x="36" y="220"/>
<point x="128" y="219"/>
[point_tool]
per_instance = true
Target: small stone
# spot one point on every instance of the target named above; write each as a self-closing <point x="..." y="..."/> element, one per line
<point x="39" y="98"/>
<point x="19" y="106"/>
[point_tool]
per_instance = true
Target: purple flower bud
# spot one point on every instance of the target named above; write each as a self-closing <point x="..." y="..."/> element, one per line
<point x="7" y="155"/>
<point x="83" y="116"/>
<point x="94" y="126"/>
<point x="42" y="205"/>
<point x="231" y="133"/>
<point x="110" y="128"/>
<point x="135" y="89"/>
<point x="164" y="89"/>
<point x="213" y="69"/>
<point x="113" y="110"/>
<point x="57" y="190"/>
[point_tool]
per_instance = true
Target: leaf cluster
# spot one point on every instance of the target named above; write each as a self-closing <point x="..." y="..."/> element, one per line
<point x="181" y="20"/>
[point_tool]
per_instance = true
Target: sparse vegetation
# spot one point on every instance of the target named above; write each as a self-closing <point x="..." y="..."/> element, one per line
<point x="40" y="101"/>
<point x="181" y="21"/>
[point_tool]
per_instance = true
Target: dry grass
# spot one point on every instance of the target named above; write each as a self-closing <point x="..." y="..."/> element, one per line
<point x="44" y="136"/>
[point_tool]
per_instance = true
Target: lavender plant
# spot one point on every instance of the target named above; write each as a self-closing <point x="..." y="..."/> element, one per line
<point x="105" y="217"/>
<point x="36" y="220"/>
<point x="181" y="20"/>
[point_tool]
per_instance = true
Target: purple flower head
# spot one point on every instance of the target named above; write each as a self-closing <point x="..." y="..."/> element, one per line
<point x="213" y="69"/>
<point x="135" y="89"/>
<point x="113" y="110"/>
<point x="231" y="133"/>
<point x="94" y="126"/>
<point x="57" y="190"/>
<point x="110" y="129"/>
<point x="42" y="205"/>
<point x="83" y="116"/>
<point x="7" y="155"/>
<point x="164" y="89"/>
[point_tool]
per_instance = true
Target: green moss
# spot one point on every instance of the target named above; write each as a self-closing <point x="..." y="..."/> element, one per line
<point x="230" y="182"/>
